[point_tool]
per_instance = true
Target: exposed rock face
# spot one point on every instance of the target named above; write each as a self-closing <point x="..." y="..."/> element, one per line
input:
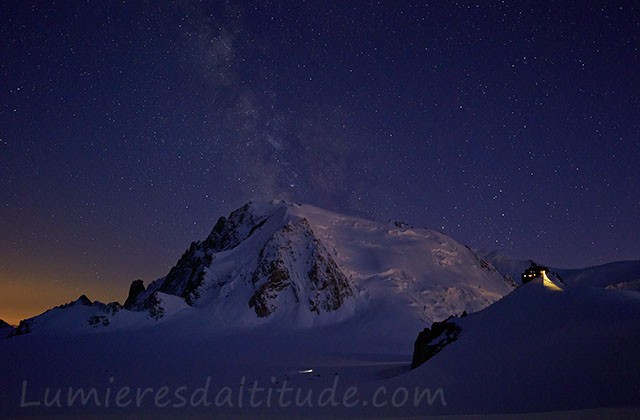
<point x="136" y="288"/>
<point x="153" y="305"/>
<point x="98" y="320"/>
<point x="229" y="232"/>
<point x="432" y="340"/>
<point x="187" y="276"/>
<point x="331" y="285"/>
<point x="295" y="266"/>
<point x="24" y="327"/>
<point x="290" y="266"/>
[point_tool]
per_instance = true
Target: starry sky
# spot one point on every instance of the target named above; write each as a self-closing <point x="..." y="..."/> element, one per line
<point x="128" y="127"/>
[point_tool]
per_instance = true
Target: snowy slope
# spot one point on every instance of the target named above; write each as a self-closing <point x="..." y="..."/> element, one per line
<point x="540" y="349"/>
<point x="615" y="273"/>
<point x="537" y="349"/>
<point x="84" y="315"/>
<point x="409" y="267"/>
<point x="506" y="265"/>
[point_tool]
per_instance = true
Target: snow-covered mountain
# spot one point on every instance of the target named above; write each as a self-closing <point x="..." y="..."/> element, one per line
<point x="305" y="304"/>
<point x="301" y="266"/>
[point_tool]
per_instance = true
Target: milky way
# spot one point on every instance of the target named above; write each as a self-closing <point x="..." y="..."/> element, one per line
<point x="127" y="128"/>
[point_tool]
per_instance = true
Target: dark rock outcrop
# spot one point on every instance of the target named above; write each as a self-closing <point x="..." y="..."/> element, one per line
<point x="136" y="288"/>
<point x="322" y="286"/>
<point x="5" y="329"/>
<point x="24" y="327"/>
<point x="153" y="305"/>
<point x="229" y="232"/>
<point x="277" y="279"/>
<point x="432" y="340"/>
<point x="292" y="266"/>
<point x="187" y="276"/>
<point x="98" y="320"/>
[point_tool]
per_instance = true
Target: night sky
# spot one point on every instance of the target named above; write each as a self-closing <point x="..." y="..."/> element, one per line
<point x="127" y="128"/>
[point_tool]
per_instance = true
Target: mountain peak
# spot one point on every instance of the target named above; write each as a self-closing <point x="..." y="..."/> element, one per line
<point x="277" y="257"/>
<point x="294" y="264"/>
<point x="263" y="251"/>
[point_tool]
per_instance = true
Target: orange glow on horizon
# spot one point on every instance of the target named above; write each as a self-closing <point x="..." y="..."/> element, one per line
<point x="21" y="302"/>
<point x="27" y="299"/>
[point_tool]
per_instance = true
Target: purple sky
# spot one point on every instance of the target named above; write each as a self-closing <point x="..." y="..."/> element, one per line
<point x="127" y="128"/>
